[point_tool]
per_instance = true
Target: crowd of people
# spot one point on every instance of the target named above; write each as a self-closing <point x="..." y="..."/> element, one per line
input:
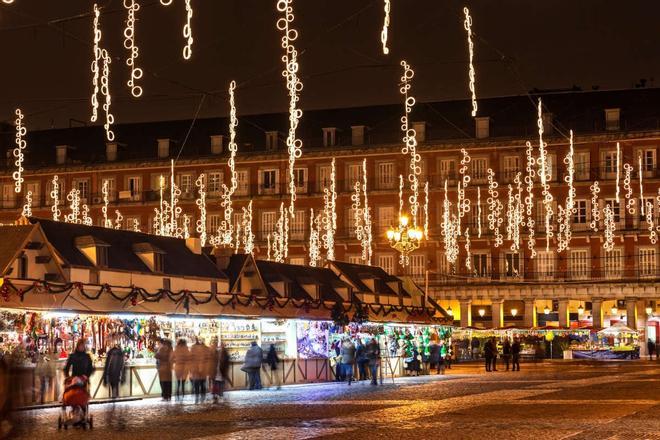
<point x="509" y="353"/>
<point x="361" y="356"/>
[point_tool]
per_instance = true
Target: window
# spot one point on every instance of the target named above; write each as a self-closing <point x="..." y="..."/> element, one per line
<point x="112" y="188"/>
<point x="271" y="140"/>
<point x="578" y="264"/>
<point x="648" y="159"/>
<point x="385" y="218"/>
<point x="297" y="226"/>
<point x="609" y="162"/>
<point x="354" y="174"/>
<point x="8" y="196"/>
<point x="159" y="263"/>
<point x="134" y="185"/>
<point x="23" y="266"/>
<point x="167" y="285"/>
<point x="186" y="184"/>
<point x="82" y="185"/>
<point x="512" y="267"/>
<point x="268" y="181"/>
<point x="480" y="266"/>
<point x="386" y="175"/>
<point x="329" y="137"/>
<point x="580" y="214"/>
<point x="386" y="262"/>
<point x="298" y="261"/>
<point x="616" y="208"/>
<point x="34" y="188"/>
<point x="479" y="168"/>
<point x="582" y="165"/>
<point x="213" y="222"/>
<point x="418" y="266"/>
<point x="613" y="263"/>
<point x="350" y="222"/>
<point x="268" y="220"/>
<point x="300" y="175"/>
<point x="511" y="167"/>
<point x="612" y="118"/>
<point x="102" y="256"/>
<point x="214" y="182"/>
<point x="243" y="181"/>
<point x="545" y="265"/>
<point x="447" y="169"/>
<point x="551" y="167"/>
<point x="237" y="219"/>
<point x="355" y="259"/>
<point x="131" y="221"/>
<point x="647" y="262"/>
<point x="49" y="190"/>
<point x="324" y="179"/>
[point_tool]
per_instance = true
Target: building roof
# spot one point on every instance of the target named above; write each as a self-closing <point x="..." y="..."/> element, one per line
<point x="12" y="240"/>
<point x="511" y="117"/>
<point x="179" y="260"/>
<point x="357" y="273"/>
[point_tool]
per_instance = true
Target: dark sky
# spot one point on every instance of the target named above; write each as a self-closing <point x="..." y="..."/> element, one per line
<point x="46" y="53"/>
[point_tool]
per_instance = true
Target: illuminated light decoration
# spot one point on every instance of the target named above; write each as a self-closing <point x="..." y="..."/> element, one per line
<point x="136" y="225"/>
<point x="237" y="242"/>
<point x="201" y="205"/>
<point x="448" y="232"/>
<point x="595" y="212"/>
<point x="562" y="218"/>
<point x="545" y="175"/>
<point x="400" y="195"/>
<point x="641" y="185"/>
<point x="74" y="204"/>
<point x="467" y="24"/>
<point x="494" y="209"/>
<point x="95" y="64"/>
<point x="105" y="90"/>
<point x="410" y="141"/>
<point x="426" y="210"/>
<point x="175" y="209"/>
<point x="106" y="202"/>
<point x="356" y="206"/>
<point x="187" y="31"/>
<point x="479" y="212"/>
<point x="86" y="219"/>
<point x="367" y="237"/>
<point x="618" y="170"/>
<point x="387" y="7"/>
<point x="610" y="227"/>
<point x="27" y="205"/>
<point x="653" y="236"/>
<point x="570" y="198"/>
<point x="482" y="312"/>
<point x="248" y="235"/>
<point x="268" y="256"/>
<point x="21" y="144"/>
<point x="314" y="239"/>
<point x="529" y="199"/>
<point x="186" y="226"/>
<point x="8" y="2"/>
<point x="627" y="180"/>
<point x="463" y="204"/>
<point x="55" y="197"/>
<point x="510" y="217"/>
<point x="518" y="214"/>
<point x="166" y="2"/>
<point x="280" y="236"/>
<point x="329" y="218"/>
<point x="226" y="227"/>
<point x="132" y="6"/>
<point x="294" y="87"/>
<point x="160" y="219"/>
<point x="118" y="219"/>
<point x="468" y="255"/>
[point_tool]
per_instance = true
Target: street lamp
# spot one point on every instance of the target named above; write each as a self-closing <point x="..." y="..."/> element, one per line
<point x="580" y="310"/>
<point x="482" y="312"/>
<point x="649" y="310"/>
<point x="614" y="311"/>
<point x="405" y="238"/>
<point x="514" y="312"/>
<point x="546" y="310"/>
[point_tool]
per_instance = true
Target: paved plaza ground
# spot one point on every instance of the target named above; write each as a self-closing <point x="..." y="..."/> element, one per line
<point x="551" y="400"/>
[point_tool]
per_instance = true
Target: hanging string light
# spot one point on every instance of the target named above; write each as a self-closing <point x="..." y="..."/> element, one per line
<point x="479" y="212"/>
<point x="410" y="141"/>
<point x="641" y="185"/>
<point x="237" y="242"/>
<point x="187" y="30"/>
<point x="200" y="183"/>
<point x="166" y="2"/>
<point x="448" y="230"/>
<point x="467" y="24"/>
<point x="618" y="170"/>
<point x="132" y="6"/>
<point x="105" y="90"/>
<point x="565" y="233"/>
<point x="106" y="202"/>
<point x="400" y="195"/>
<point x="55" y="197"/>
<point x="226" y="227"/>
<point x="136" y="225"/>
<point x="268" y="256"/>
<point x="86" y="219"/>
<point x="610" y="227"/>
<point x="294" y="87"/>
<point x="118" y="219"/>
<point x="21" y="144"/>
<point x="186" y="226"/>
<point x="280" y="236"/>
<point x="356" y="206"/>
<point x="98" y="55"/>
<point x="314" y="239"/>
<point x="27" y="205"/>
<point x="329" y="220"/>
<point x="74" y="204"/>
<point x="595" y="211"/>
<point x="367" y="239"/>
<point x="545" y="174"/>
<point x="627" y="186"/>
<point x="248" y="235"/>
<point x="426" y="210"/>
<point x="386" y="24"/>
<point x="175" y="209"/>
<point x="653" y="236"/>
<point x="468" y="255"/>
<point x="463" y="204"/>
<point x="494" y="209"/>
<point x="529" y="199"/>
<point x="518" y="213"/>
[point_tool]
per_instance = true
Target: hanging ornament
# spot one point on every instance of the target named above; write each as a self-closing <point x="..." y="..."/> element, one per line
<point x="27" y="205"/>
<point x="248" y="235"/>
<point x="410" y="141"/>
<point x="314" y="239"/>
<point x="494" y="209"/>
<point x="627" y="186"/>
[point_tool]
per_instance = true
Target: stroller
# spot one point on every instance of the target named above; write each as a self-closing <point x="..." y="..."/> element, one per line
<point x="75" y="404"/>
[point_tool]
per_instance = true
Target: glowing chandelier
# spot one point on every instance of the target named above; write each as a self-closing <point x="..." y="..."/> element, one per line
<point x="405" y="238"/>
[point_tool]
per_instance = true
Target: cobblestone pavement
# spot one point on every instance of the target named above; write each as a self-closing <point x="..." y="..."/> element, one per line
<point x="559" y="400"/>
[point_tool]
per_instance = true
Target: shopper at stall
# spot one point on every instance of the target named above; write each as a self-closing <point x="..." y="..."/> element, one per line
<point x="198" y="373"/>
<point x="222" y="367"/>
<point x="495" y="354"/>
<point x="164" y="365"/>
<point x="361" y="359"/>
<point x="46" y="370"/>
<point x="373" y="354"/>
<point x="181" y="357"/>
<point x="348" y="358"/>
<point x="506" y="353"/>
<point x="335" y="353"/>
<point x="650" y="345"/>
<point x="488" y="354"/>
<point x="515" y="354"/>
<point x="252" y="365"/>
<point x="113" y="373"/>
<point x="474" y="345"/>
<point x="434" y="357"/>
<point x="79" y="363"/>
<point x="272" y="360"/>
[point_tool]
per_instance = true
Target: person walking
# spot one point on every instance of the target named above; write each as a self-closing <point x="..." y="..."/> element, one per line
<point x="348" y="358"/>
<point x="506" y="353"/>
<point x="361" y="359"/>
<point x="79" y="363"/>
<point x="434" y="356"/>
<point x="272" y="359"/>
<point x="252" y="365"/>
<point x="164" y="365"/>
<point x="650" y="345"/>
<point x="221" y="369"/>
<point x="45" y="370"/>
<point x="515" y="354"/>
<point x="113" y="373"/>
<point x="181" y="357"/>
<point x="335" y="352"/>
<point x="198" y="369"/>
<point x="474" y="345"/>
<point x="488" y="354"/>
<point x="373" y="354"/>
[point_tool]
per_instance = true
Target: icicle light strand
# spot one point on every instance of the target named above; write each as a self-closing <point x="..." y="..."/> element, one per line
<point x="27" y="206"/>
<point x="21" y="144"/>
<point x="595" y="211"/>
<point x="55" y="196"/>
<point x="367" y="239"/>
<point x="618" y="170"/>
<point x="95" y="64"/>
<point x="105" y="90"/>
<point x="627" y="186"/>
<point x="132" y="6"/>
<point x="467" y="24"/>
<point x="410" y="140"/>
<point x="387" y="7"/>
<point x="187" y="31"/>
<point x="201" y="205"/>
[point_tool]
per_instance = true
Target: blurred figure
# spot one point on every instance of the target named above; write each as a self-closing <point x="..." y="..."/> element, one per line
<point x="506" y="353"/>
<point x="650" y="345"/>
<point x="373" y="354"/>
<point x="348" y="358"/>
<point x="272" y="359"/>
<point x="198" y="369"/>
<point x="164" y="365"/>
<point x="252" y="365"/>
<point x="210" y="365"/>
<point x="495" y="353"/>
<point x="361" y="359"/>
<point x="113" y="373"/>
<point x="335" y="352"/>
<point x="222" y="366"/>
<point x="434" y="356"/>
<point x="6" y="426"/>
<point x="181" y="367"/>
<point x="488" y="354"/>
<point x="46" y="371"/>
<point x="79" y="363"/>
<point x="515" y="354"/>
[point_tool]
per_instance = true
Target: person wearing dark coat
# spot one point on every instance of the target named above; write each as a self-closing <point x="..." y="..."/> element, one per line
<point x="361" y="359"/>
<point x="488" y="354"/>
<point x="650" y="345"/>
<point x="506" y="353"/>
<point x="434" y="356"/>
<point x="222" y="367"/>
<point x="79" y="363"/>
<point x="348" y="359"/>
<point x="495" y="353"/>
<point x="272" y="359"/>
<point x="252" y="365"/>
<point x="515" y="355"/>
<point x="373" y="355"/>
<point x="113" y="373"/>
<point x="164" y="357"/>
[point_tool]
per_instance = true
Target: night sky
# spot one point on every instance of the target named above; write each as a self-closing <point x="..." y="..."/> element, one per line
<point x="519" y="45"/>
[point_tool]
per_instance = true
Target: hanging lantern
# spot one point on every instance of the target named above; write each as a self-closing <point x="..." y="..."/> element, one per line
<point x="614" y="311"/>
<point x="482" y="312"/>
<point x="580" y="310"/>
<point x="546" y="310"/>
<point x="649" y="311"/>
<point x="514" y="312"/>
<point x="450" y="312"/>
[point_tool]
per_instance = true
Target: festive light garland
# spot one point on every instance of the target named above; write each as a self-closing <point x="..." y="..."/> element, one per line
<point x="280" y="235"/>
<point x="132" y="6"/>
<point x="21" y="144"/>
<point x="641" y="185"/>
<point x="329" y="219"/>
<point x="74" y="199"/>
<point x="187" y="30"/>
<point x="595" y="211"/>
<point x="136" y="225"/>
<point x="386" y="24"/>
<point x="495" y="209"/>
<point x="201" y="204"/>
<point x="86" y="219"/>
<point x="448" y="230"/>
<point x="294" y="87"/>
<point x="55" y="196"/>
<point x="410" y="140"/>
<point x="478" y="212"/>
<point x="545" y="175"/>
<point x="463" y="204"/>
<point x="627" y="186"/>
<point x="529" y="199"/>
<point x="105" y="90"/>
<point x="314" y="239"/>
<point x="426" y="210"/>
<point x="118" y="219"/>
<point x="565" y="234"/>
<point x="356" y="206"/>
<point x="186" y="226"/>
<point x="248" y="235"/>
<point x="610" y="227"/>
<point x="106" y="202"/>
<point x="367" y="239"/>
<point x="98" y="55"/>
<point x="175" y="209"/>
<point x="27" y="205"/>
<point x="268" y="256"/>
<point x="400" y="195"/>
<point x="226" y="227"/>
<point x="653" y="236"/>
<point x="467" y="24"/>
<point x="618" y="170"/>
<point x="468" y="254"/>
<point x="518" y="213"/>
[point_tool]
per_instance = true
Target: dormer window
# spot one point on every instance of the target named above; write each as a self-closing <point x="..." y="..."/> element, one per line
<point x="271" y="140"/>
<point x="151" y="256"/>
<point x="329" y="137"/>
<point x="94" y="249"/>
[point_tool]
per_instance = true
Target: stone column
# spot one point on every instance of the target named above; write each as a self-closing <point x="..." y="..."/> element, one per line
<point x="597" y="311"/>
<point x="631" y="313"/>
<point x="564" y="319"/>
<point x="498" y="312"/>
<point x="529" y="319"/>
<point x="466" y="312"/>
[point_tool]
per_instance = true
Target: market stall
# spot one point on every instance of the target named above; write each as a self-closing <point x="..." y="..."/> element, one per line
<point x="617" y="342"/>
